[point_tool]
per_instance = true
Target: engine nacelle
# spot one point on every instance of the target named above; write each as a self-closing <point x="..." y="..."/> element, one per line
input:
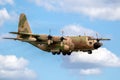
<point x="29" y="40"/>
<point x="50" y="42"/>
<point x="66" y="47"/>
<point x="32" y="39"/>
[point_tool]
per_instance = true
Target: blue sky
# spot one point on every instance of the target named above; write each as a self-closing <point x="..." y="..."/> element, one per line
<point x="19" y="60"/>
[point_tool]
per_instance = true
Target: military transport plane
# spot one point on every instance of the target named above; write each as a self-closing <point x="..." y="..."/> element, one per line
<point x="55" y="44"/>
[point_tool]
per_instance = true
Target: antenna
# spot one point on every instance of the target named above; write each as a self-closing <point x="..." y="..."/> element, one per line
<point x="84" y="34"/>
<point x="97" y="35"/>
<point x="62" y="33"/>
<point x="62" y="38"/>
<point x="49" y="31"/>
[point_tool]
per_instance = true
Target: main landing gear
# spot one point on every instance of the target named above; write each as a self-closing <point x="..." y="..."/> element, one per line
<point x="64" y="53"/>
<point x="89" y="51"/>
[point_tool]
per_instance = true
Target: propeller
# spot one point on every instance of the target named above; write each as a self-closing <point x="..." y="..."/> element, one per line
<point x="50" y="38"/>
<point x="98" y="43"/>
<point x="99" y="39"/>
<point x="62" y="38"/>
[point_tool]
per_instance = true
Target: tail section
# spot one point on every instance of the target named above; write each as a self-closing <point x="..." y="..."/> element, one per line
<point x="23" y="26"/>
<point x="24" y="32"/>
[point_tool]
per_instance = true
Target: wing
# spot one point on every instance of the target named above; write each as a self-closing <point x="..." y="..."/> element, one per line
<point x="43" y="39"/>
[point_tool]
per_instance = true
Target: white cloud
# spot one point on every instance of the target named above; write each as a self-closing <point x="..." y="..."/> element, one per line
<point x="101" y="9"/>
<point x="91" y="64"/>
<point x="73" y="30"/>
<point x="5" y="16"/>
<point x="102" y="13"/>
<point x="90" y="71"/>
<point x="13" y="68"/>
<point x="3" y="2"/>
<point x="102" y="57"/>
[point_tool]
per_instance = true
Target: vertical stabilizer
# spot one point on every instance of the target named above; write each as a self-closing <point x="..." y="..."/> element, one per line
<point x="23" y="26"/>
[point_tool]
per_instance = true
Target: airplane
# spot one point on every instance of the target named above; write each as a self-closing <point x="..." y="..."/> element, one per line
<point x="55" y="44"/>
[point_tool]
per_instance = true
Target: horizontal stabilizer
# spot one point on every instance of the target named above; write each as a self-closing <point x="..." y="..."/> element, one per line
<point x="24" y="40"/>
<point x="13" y="38"/>
<point x="23" y="33"/>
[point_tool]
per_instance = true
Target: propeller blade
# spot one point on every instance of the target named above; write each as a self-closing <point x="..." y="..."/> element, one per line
<point x="100" y="39"/>
<point x="104" y="39"/>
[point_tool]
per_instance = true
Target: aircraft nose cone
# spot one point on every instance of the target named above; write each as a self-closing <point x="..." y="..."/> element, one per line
<point x="97" y="45"/>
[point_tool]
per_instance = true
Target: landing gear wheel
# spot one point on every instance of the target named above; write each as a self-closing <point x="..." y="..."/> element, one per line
<point x="58" y="53"/>
<point x="64" y="53"/>
<point x="89" y="52"/>
<point x="53" y="53"/>
<point x="69" y="53"/>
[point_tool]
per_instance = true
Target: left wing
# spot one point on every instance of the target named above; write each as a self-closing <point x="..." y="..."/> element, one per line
<point x="48" y="39"/>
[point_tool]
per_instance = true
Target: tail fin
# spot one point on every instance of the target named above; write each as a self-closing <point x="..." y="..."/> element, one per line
<point x="23" y="26"/>
<point x="24" y="32"/>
